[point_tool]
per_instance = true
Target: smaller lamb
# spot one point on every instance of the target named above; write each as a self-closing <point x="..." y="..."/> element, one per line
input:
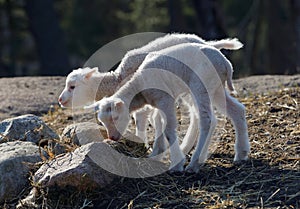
<point x="196" y="69"/>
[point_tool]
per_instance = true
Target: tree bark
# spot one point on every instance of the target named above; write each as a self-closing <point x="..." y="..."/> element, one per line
<point x="48" y="36"/>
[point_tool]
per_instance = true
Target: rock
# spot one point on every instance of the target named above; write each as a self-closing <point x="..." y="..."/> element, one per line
<point x="85" y="132"/>
<point x="25" y="128"/>
<point x="75" y="169"/>
<point x="14" y="171"/>
<point x="92" y="166"/>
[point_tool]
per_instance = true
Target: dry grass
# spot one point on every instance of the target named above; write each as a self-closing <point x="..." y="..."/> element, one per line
<point x="270" y="179"/>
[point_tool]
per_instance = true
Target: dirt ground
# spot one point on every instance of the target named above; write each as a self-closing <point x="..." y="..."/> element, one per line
<point x="23" y="95"/>
<point x="270" y="179"/>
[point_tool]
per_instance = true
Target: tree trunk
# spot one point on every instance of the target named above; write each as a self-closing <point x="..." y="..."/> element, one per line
<point x="279" y="40"/>
<point x="211" y="22"/>
<point x="176" y="17"/>
<point x="12" y="39"/>
<point x="48" y="37"/>
<point x="255" y="63"/>
<point x="295" y="6"/>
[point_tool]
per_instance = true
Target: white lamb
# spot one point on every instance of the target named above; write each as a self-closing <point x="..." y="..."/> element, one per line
<point x="84" y="86"/>
<point x="163" y="77"/>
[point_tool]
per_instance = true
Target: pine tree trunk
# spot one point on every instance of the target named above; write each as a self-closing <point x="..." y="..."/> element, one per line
<point x="48" y="37"/>
<point x="295" y="6"/>
<point x="211" y="22"/>
<point x="176" y="17"/>
<point x="279" y="39"/>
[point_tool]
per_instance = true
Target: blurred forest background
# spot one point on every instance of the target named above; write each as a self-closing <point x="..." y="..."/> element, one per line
<point x="50" y="37"/>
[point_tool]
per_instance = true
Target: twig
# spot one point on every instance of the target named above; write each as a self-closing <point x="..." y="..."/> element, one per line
<point x="272" y="195"/>
<point x="86" y="203"/>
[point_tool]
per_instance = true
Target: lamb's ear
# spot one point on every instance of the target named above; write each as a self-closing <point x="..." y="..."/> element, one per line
<point x="118" y="105"/>
<point x="90" y="72"/>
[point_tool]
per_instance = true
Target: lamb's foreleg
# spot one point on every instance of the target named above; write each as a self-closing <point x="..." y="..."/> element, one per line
<point x="141" y="118"/>
<point x="157" y="120"/>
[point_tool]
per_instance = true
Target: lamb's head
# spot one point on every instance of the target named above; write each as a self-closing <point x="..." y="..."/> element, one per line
<point x="78" y="90"/>
<point x="113" y="114"/>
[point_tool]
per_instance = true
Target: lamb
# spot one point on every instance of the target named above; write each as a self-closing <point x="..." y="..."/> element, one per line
<point x="92" y="85"/>
<point x="84" y="86"/>
<point x="196" y="69"/>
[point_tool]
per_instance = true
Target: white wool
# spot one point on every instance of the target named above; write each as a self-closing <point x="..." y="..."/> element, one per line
<point x="91" y="85"/>
<point x="204" y="71"/>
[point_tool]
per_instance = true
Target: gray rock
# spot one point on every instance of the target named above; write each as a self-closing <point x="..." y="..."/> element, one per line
<point x="84" y="133"/>
<point x="25" y="128"/>
<point x="95" y="165"/>
<point x="14" y="171"/>
<point x="75" y="169"/>
<point x="91" y="166"/>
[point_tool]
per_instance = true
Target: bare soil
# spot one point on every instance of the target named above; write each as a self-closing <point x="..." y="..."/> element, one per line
<point x="23" y="95"/>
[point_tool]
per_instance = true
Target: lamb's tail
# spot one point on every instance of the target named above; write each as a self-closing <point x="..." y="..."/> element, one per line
<point x="231" y="44"/>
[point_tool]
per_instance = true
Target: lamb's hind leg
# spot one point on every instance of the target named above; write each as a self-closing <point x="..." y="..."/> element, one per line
<point x="207" y="125"/>
<point x="192" y="133"/>
<point x="236" y="112"/>
<point x="176" y="155"/>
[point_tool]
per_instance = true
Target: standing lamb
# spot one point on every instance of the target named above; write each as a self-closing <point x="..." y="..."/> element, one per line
<point x="163" y="77"/>
<point x="84" y="86"/>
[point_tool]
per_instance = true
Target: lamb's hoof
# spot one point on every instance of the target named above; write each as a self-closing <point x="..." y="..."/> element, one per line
<point x="240" y="162"/>
<point x="178" y="168"/>
<point x="176" y="173"/>
<point x="240" y="157"/>
<point x="193" y="168"/>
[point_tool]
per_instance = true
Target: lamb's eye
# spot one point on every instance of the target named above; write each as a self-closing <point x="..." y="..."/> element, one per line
<point x="72" y="87"/>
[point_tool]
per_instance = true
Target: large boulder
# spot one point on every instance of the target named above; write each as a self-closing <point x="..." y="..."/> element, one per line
<point x="92" y="166"/>
<point x="14" y="167"/>
<point x="25" y="128"/>
<point x="95" y="165"/>
<point x="84" y="133"/>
